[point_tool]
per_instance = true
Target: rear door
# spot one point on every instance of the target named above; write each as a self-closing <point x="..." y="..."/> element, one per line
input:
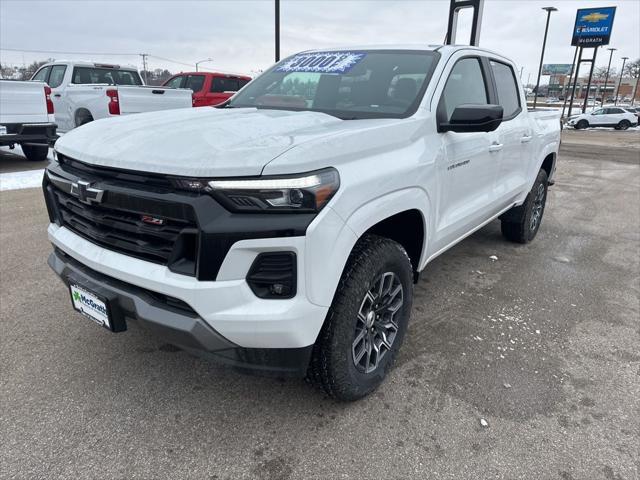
<point x="468" y="166"/>
<point x="616" y="115"/>
<point x="514" y="133"/>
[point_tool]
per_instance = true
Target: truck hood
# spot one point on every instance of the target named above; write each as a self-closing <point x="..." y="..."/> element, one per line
<point x="195" y="142"/>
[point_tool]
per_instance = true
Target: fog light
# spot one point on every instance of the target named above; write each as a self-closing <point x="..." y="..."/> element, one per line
<point x="273" y="275"/>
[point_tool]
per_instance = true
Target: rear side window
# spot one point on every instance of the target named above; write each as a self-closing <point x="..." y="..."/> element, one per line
<point x="508" y="95"/>
<point x="465" y="85"/>
<point x="42" y="74"/>
<point x="105" y="75"/>
<point x="57" y="75"/>
<point x="195" y="82"/>
<point x="227" y="84"/>
<point x="614" y="110"/>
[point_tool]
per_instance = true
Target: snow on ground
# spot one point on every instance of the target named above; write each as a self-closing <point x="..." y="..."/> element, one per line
<point x="19" y="180"/>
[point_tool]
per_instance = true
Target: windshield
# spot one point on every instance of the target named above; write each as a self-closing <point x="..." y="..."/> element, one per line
<point x="346" y="84"/>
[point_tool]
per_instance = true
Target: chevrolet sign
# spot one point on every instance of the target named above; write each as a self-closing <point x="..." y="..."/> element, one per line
<point x="593" y="27"/>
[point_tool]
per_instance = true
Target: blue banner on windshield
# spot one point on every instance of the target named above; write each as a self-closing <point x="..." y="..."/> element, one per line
<point x="322" y="62"/>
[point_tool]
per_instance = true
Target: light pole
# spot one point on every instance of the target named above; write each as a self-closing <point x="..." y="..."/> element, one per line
<point x="203" y="61"/>
<point x="544" y="44"/>
<point x="277" y="29"/>
<point x="606" y="77"/>
<point x="624" y="59"/>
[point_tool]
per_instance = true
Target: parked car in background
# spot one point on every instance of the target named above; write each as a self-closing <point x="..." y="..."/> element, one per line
<point x="284" y="231"/>
<point x="634" y="110"/>
<point x="209" y="88"/>
<point x="83" y="92"/>
<point x="27" y="118"/>
<point x="615" y="117"/>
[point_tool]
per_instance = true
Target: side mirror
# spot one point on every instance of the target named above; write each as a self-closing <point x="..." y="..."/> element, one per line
<point x="473" y="118"/>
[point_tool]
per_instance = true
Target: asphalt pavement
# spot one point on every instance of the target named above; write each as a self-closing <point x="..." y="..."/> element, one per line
<point x="521" y="362"/>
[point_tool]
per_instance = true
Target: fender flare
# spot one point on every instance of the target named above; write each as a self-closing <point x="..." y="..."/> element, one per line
<point x="340" y="236"/>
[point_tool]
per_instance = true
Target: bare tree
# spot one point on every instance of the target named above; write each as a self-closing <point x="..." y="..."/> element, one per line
<point x="600" y="73"/>
<point x="632" y="69"/>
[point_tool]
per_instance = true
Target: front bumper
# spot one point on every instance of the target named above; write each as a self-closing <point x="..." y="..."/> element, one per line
<point x="227" y="305"/>
<point x="178" y="324"/>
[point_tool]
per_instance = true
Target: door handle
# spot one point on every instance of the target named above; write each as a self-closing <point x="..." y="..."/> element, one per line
<point x="495" y="147"/>
<point x="57" y="95"/>
<point x="526" y="138"/>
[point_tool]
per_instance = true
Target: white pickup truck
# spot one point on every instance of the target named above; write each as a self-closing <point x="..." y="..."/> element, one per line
<point x="284" y="231"/>
<point x="83" y="92"/>
<point x="27" y="118"/>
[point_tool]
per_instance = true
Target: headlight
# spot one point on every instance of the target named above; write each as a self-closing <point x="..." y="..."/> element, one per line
<point x="306" y="193"/>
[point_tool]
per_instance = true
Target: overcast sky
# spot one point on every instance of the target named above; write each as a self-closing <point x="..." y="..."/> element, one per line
<point x="238" y="34"/>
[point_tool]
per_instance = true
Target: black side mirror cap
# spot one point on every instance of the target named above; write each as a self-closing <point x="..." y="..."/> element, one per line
<point x="473" y="118"/>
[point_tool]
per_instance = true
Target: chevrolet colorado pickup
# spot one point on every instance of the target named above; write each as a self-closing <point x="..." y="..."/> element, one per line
<point x="83" y="92"/>
<point x="283" y="232"/>
<point x="27" y="118"/>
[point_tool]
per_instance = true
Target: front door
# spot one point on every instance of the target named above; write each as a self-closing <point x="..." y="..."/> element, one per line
<point x="469" y="162"/>
<point x="58" y="97"/>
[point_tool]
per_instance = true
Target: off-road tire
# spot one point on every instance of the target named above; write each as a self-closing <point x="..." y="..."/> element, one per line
<point x="332" y="365"/>
<point x="517" y="223"/>
<point x="35" y="153"/>
<point x="582" y="124"/>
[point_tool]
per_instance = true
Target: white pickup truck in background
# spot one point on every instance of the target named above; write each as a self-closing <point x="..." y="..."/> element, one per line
<point x="83" y="92"/>
<point x="283" y="232"/>
<point x="27" y="118"/>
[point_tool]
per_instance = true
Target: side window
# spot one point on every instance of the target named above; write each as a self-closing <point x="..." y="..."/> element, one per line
<point x="42" y="74"/>
<point x="465" y="85"/>
<point x="600" y="111"/>
<point x="615" y="110"/>
<point x="195" y="82"/>
<point x="225" y="84"/>
<point x="175" y="82"/>
<point x="57" y="75"/>
<point x="507" y="87"/>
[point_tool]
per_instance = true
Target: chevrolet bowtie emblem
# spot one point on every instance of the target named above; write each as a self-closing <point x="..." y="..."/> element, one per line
<point x="86" y="193"/>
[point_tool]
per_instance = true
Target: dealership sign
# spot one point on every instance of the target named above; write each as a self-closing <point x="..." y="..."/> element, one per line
<point x="556" y="69"/>
<point x="593" y="26"/>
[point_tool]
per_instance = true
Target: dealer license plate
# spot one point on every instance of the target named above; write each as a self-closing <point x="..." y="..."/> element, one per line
<point x="90" y="305"/>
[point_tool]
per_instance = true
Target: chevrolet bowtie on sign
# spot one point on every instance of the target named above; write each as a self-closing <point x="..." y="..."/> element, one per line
<point x="593" y="27"/>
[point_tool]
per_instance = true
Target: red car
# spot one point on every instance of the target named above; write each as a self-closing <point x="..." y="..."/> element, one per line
<point x="209" y="88"/>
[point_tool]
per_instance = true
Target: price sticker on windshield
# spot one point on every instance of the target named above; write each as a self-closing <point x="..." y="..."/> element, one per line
<point x="322" y="62"/>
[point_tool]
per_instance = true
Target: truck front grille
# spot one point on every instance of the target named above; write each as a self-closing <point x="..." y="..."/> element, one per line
<point x="147" y="235"/>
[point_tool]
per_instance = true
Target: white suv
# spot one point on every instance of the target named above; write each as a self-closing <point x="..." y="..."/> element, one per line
<point x="615" y="117"/>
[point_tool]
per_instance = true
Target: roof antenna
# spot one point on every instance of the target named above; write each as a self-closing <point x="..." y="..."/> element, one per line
<point x="454" y="8"/>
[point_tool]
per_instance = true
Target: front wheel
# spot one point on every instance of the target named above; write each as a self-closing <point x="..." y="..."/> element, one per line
<point x="521" y="224"/>
<point x="367" y="320"/>
<point x="581" y="125"/>
<point x="35" y="153"/>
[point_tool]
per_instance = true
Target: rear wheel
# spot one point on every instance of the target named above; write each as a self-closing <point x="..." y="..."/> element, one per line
<point x="582" y="124"/>
<point x="521" y="224"/>
<point x="82" y="117"/>
<point x="367" y="320"/>
<point x="35" y="153"/>
<point x="623" y="125"/>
